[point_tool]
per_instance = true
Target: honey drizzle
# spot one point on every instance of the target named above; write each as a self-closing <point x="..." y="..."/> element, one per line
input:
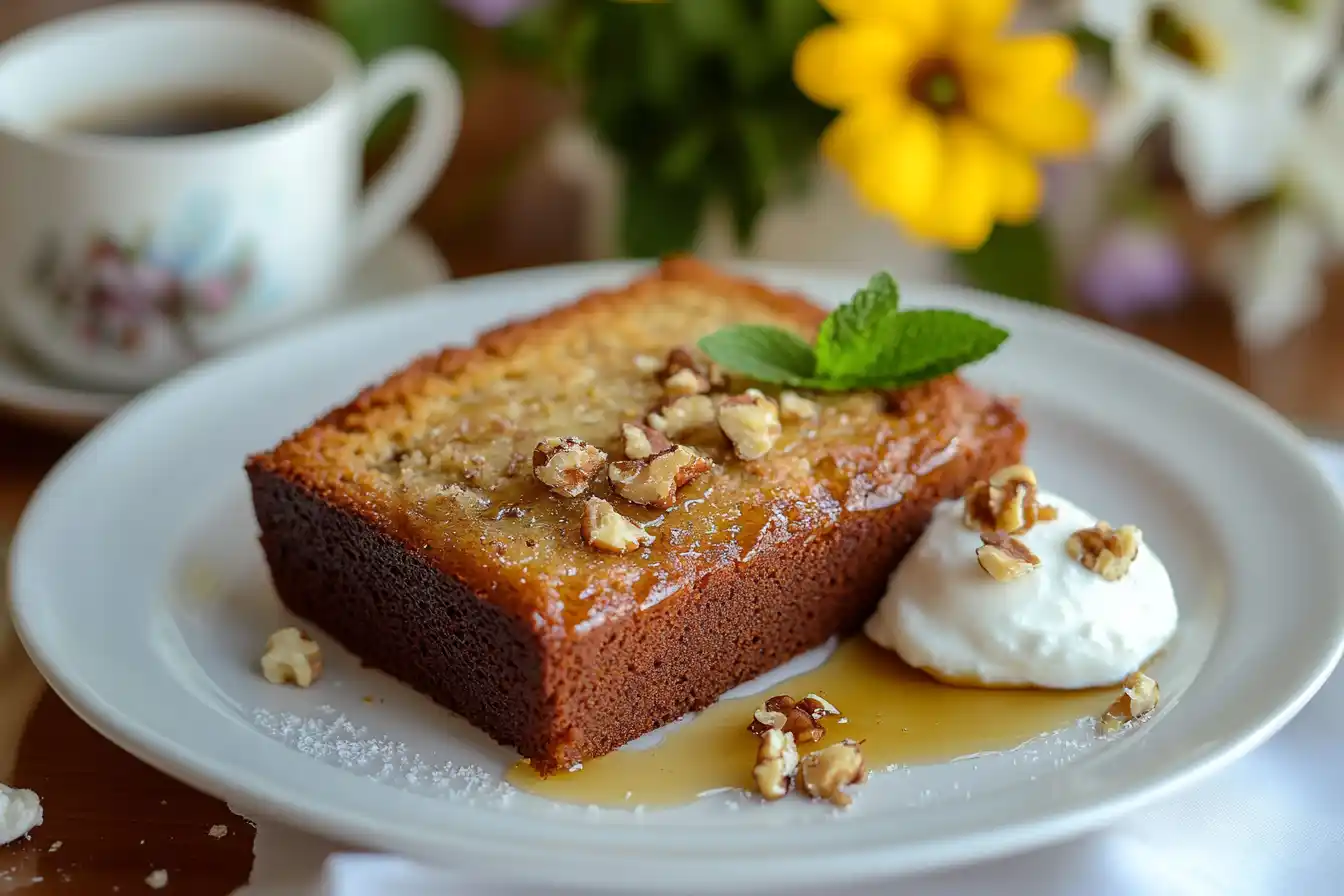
<point x="901" y="715"/>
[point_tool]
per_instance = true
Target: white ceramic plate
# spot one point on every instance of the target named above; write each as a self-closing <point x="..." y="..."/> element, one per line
<point x="406" y="263"/>
<point x="141" y="594"/>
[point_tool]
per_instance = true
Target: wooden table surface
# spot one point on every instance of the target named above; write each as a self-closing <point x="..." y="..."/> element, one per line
<point x="111" y="820"/>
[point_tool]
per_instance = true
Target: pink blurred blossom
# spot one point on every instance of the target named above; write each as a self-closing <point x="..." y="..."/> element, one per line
<point x="1134" y="268"/>
<point x="492" y="13"/>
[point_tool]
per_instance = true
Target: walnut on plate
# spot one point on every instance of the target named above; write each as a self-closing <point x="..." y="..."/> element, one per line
<point x="825" y="773"/>
<point x="1107" y="552"/>
<point x="566" y="465"/>
<point x="1004" y="557"/>
<point x="291" y="657"/>
<point x="799" y="718"/>
<point x="1006" y="503"/>
<point x="1135" y="703"/>
<point x="653" y="482"/>
<point x="605" y="529"/>
<point x="751" y="422"/>
<point x="776" y="761"/>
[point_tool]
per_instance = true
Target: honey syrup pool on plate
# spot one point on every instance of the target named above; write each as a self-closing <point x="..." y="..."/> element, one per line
<point x="901" y="715"/>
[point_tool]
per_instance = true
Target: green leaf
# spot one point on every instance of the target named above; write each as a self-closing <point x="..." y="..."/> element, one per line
<point x="708" y="23"/>
<point x="1016" y="261"/>
<point x="868" y="343"/>
<point x="686" y="154"/>
<point x="851" y="339"/>
<point x="769" y="354"/>
<point x="928" y="343"/>
<point x="788" y="21"/>
<point x="659" y="217"/>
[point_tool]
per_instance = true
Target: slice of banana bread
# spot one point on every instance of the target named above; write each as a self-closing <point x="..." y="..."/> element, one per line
<point x="429" y="526"/>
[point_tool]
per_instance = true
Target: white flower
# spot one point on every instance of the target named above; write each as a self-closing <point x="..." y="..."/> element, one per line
<point x="1228" y="74"/>
<point x="1273" y="269"/>
<point x="1272" y="273"/>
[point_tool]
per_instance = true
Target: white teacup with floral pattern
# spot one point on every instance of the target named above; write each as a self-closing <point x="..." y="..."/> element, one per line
<point x="124" y="259"/>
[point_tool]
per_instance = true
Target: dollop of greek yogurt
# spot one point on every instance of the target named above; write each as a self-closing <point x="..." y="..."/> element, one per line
<point x="1059" y="626"/>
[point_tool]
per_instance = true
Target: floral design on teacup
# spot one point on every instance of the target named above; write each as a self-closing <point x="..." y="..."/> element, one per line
<point x="114" y="292"/>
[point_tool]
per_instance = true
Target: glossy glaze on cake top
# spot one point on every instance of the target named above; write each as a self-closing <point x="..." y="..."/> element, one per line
<point x="441" y="453"/>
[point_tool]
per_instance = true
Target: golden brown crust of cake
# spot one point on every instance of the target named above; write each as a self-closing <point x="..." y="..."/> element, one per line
<point x="394" y="453"/>
<point x="408" y="523"/>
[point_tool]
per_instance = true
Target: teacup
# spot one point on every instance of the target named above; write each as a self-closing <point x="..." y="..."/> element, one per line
<point x="177" y="177"/>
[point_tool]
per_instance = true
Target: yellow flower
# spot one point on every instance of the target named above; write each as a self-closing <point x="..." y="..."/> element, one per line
<point x="942" y="117"/>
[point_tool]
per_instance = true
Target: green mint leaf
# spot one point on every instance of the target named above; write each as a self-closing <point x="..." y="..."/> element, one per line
<point x="853" y="337"/>
<point x="930" y="342"/>
<point x="768" y="354"/>
<point x="868" y="343"/>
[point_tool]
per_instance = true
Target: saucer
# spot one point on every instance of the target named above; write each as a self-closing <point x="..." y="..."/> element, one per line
<point x="405" y="263"/>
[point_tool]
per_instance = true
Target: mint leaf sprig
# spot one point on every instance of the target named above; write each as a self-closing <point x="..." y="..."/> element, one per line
<point x="867" y="343"/>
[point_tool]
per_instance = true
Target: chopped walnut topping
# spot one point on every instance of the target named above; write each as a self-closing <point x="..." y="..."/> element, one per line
<point x="654" y="482"/>
<point x="678" y="359"/>
<point x="793" y="406"/>
<point x="643" y="441"/>
<point x="783" y="713"/>
<point x="647" y="364"/>
<point x="825" y="773"/>
<point x="686" y="413"/>
<point x="607" y="530"/>
<point x="776" y="761"/>
<point x="685" y="382"/>
<point x="1004" y="557"/>
<point x="567" y="465"/>
<point x="751" y="423"/>
<point x="291" y="657"/>
<point x="1107" y="552"/>
<point x="1006" y="503"/>
<point x="1135" y="703"/>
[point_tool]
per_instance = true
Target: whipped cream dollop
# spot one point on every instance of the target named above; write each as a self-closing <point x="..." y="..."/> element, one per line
<point x="1059" y="626"/>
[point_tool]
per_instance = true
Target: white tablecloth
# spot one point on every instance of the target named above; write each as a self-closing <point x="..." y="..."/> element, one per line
<point x="1271" y="824"/>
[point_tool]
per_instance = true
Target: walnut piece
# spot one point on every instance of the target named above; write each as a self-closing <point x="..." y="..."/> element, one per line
<point x="751" y="423"/>
<point x="1004" y="557"/>
<point x="643" y="441"/>
<point x="291" y="657"/>
<point x="683" y="415"/>
<point x="647" y="364"/>
<point x="776" y="761"/>
<point x="567" y="465"/>
<point x="680" y="360"/>
<point x="654" y="482"/>
<point x="1135" y="703"/>
<point x="1006" y="503"/>
<point x="818" y="706"/>
<point x="825" y="773"/>
<point x="782" y="713"/>
<point x="1107" y="552"/>
<point x="685" y="382"/>
<point x="607" y="530"/>
<point x="795" y="407"/>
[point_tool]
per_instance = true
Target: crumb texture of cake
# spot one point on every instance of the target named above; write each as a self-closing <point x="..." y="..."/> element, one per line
<point x="411" y="524"/>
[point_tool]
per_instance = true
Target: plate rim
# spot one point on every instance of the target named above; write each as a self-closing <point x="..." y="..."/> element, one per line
<point x="954" y="850"/>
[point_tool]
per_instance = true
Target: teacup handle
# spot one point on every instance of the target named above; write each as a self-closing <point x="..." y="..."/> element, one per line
<point x="415" y="167"/>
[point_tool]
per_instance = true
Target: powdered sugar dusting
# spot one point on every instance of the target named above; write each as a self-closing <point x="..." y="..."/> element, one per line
<point x="340" y="742"/>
